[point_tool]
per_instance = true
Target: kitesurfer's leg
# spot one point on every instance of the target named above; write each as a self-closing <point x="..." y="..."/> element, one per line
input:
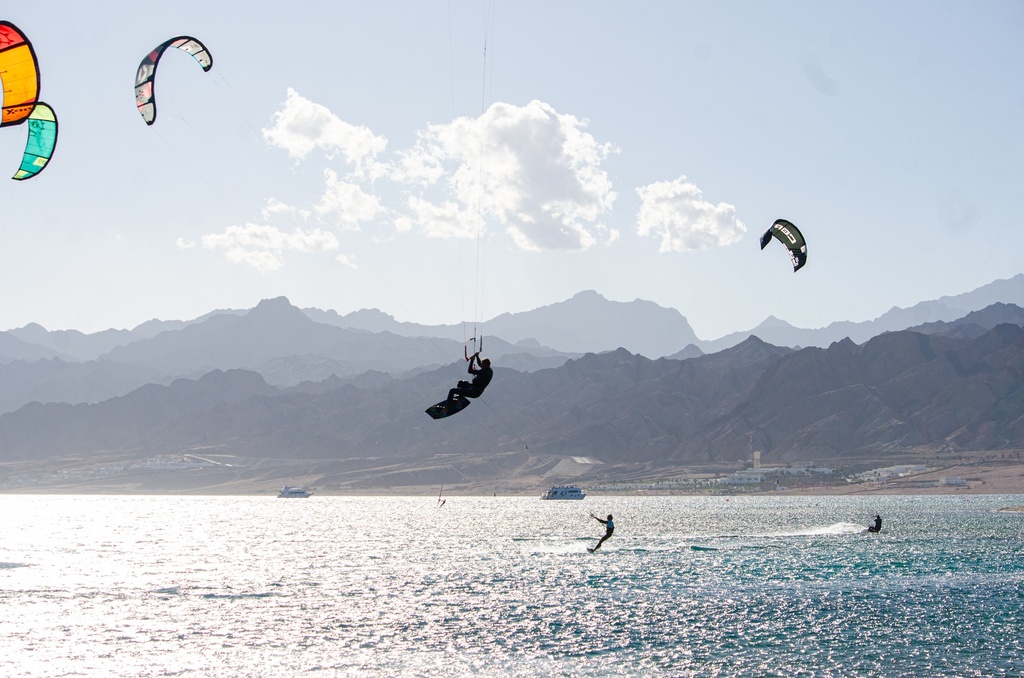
<point x="459" y="391"/>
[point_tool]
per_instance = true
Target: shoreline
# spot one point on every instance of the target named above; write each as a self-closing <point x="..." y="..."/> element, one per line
<point x="973" y="477"/>
<point x="420" y="491"/>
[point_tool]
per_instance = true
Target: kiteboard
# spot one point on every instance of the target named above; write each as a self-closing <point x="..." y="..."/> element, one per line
<point x="441" y="409"/>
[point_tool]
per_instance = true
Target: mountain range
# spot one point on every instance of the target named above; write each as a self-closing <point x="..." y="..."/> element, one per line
<point x="279" y="386"/>
<point x="289" y="346"/>
<point x="622" y="413"/>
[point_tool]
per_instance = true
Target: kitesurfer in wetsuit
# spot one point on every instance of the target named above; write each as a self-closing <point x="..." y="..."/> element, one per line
<point x="481" y="378"/>
<point x="609" y="528"/>
<point x="877" y="527"/>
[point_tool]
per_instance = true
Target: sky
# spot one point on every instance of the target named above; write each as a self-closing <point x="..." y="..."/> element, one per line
<point x="450" y="161"/>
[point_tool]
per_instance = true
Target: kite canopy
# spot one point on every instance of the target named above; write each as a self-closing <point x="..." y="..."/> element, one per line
<point x="145" y="98"/>
<point x="42" y="139"/>
<point x="19" y="72"/>
<point x="790" y="236"/>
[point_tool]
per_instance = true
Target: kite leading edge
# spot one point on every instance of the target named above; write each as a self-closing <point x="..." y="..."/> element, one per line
<point x="145" y="97"/>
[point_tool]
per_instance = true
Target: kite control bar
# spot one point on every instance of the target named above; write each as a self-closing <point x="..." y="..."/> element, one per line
<point x="465" y="349"/>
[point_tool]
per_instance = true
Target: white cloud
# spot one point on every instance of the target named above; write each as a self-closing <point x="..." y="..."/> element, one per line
<point x="677" y="212"/>
<point x="185" y="243"/>
<point x="275" y="207"/>
<point x="346" y="260"/>
<point x="529" y="169"/>
<point x="302" y="125"/>
<point x="417" y="166"/>
<point x="533" y="170"/>
<point x="404" y="224"/>
<point x="263" y="247"/>
<point x="447" y="220"/>
<point x="347" y="202"/>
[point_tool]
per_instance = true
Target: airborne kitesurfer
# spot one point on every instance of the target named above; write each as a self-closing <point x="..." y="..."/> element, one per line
<point x="482" y="376"/>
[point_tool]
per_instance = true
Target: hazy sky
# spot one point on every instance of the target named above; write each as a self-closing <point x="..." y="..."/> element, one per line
<point x="352" y="155"/>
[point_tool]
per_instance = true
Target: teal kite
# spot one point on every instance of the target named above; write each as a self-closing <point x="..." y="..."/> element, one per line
<point x="19" y="73"/>
<point x="42" y="139"/>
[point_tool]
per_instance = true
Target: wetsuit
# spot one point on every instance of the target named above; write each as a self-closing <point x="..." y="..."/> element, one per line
<point x="609" y="528"/>
<point x="472" y="389"/>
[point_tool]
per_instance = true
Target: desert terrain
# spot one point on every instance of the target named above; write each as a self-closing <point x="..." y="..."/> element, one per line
<point x="506" y="474"/>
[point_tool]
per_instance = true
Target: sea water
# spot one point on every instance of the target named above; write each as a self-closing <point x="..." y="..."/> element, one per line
<point x="260" y="586"/>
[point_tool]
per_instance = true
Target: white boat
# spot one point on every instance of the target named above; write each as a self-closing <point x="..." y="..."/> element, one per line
<point x="564" y="492"/>
<point x="289" y="492"/>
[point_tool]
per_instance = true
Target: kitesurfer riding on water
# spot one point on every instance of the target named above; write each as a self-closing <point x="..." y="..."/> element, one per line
<point x="877" y="527"/>
<point x="609" y="528"/>
<point x="481" y="378"/>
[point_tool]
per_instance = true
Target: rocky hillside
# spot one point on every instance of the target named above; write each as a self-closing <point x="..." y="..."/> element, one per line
<point x="899" y="391"/>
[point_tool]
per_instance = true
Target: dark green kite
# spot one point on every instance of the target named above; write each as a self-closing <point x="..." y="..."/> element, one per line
<point x="790" y="236"/>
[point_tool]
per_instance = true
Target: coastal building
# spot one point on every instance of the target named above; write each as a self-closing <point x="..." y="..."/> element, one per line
<point x="753" y="476"/>
<point x="890" y="472"/>
<point x="954" y="481"/>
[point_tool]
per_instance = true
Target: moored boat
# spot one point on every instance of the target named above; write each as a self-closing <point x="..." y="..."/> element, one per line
<point x="564" y="492"/>
<point x="288" y="492"/>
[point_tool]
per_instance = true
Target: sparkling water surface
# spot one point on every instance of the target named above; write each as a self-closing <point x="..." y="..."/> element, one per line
<point x="770" y="586"/>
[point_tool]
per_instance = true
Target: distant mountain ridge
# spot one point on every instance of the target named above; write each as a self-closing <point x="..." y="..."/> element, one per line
<point x="77" y="346"/>
<point x="275" y="332"/>
<point x="584" y="323"/>
<point x="289" y="346"/>
<point x="587" y="322"/>
<point x="275" y="339"/>
<point x="944" y="309"/>
<point x="975" y="323"/>
<point x="899" y="391"/>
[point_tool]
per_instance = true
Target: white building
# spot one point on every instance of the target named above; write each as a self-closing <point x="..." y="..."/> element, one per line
<point x="952" y="480"/>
